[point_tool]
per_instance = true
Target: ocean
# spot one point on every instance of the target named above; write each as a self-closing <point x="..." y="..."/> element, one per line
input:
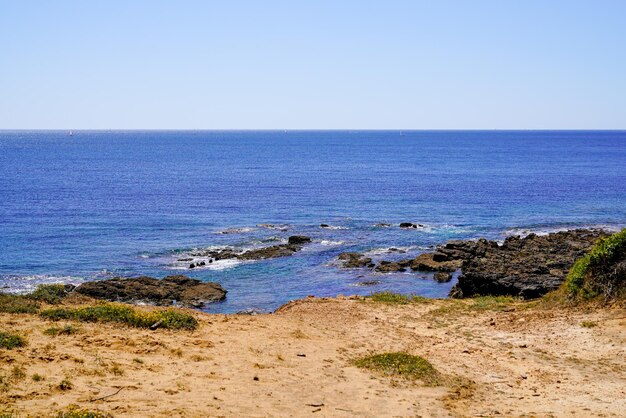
<point x="98" y="204"/>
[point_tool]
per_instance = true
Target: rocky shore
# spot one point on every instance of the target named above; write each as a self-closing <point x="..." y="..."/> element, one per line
<point x="527" y="267"/>
<point x="178" y="290"/>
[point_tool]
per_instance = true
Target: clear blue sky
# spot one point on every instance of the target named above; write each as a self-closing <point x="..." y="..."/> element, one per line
<point x="544" y="64"/>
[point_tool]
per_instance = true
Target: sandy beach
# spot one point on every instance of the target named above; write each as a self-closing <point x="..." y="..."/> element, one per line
<point x="499" y="359"/>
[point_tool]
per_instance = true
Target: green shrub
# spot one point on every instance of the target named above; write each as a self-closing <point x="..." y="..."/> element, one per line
<point x="49" y="293"/>
<point x="17" y="304"/>
<point x="115" y="312"/>
<point x="596" y="273"/>
<point x="402" y="365"/>
<point x="11" y="341"/>
<point x="66" y="384"/>
<point x="73" y="411"/>
<point x="395" y="298"/>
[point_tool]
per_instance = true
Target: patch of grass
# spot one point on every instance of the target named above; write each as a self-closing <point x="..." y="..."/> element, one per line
<point x="49" y="293"/>
<point x="491" y="303"/>
<point x="17" y="374"/>
<point x="17" y="304"/>
<point x="595" y="273"/>
<point x="402" y="365"/>
<point x="73" y="411"/>
<point x="177" y="352"/>
<point x="37" y="377"/>
<point x="68" y="329"/>
<point x="588" y="324"/>
<point x="138" y="360"/>
<point x="11" y="341"/>
<point x="124" y="314"/>
<point x="395" y="298"/>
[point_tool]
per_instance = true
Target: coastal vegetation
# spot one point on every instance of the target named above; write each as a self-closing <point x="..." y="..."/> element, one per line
<point x="123" y="314"/>
<point x="73" y="411"/>
<point x="11" y="341"/>
<point x="395" y="298"/>
<point x="400" y="364"/>
<point x="600" y="273"/>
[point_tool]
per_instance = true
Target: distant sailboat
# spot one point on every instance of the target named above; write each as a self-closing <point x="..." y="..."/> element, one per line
<point x="71" y="133"/>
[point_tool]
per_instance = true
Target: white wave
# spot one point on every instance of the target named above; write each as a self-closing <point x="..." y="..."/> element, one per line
<point x="331" y="243"/>
<point x="394" y="250"/>
<point x="26" y="284"/>
<point x="208" y="264"/>
<point x="335" y="227"/>
<point x="241" y="230"/>
<point x="524" y="232"/>
<point x="273" y="226"/>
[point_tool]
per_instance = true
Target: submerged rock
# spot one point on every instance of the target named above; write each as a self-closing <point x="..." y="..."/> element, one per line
<point x="355" y="260"/>
<point x="407" y="225"/>
<point x="162" y="292"/>
<point x="294" y="244"/>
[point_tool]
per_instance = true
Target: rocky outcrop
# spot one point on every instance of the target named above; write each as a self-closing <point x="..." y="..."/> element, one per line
<point x="294" y="244"/>
<point x="355" y="260"/>
<point x="526" y="267"/>
<point x="410" y="225"/>
<point x="182" y="290"/>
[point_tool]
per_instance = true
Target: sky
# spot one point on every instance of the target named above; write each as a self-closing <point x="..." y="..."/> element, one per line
<point x="184" y="64"/>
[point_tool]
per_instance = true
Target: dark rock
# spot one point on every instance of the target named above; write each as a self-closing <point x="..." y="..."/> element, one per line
<point x="274" y="251"/>
<point x="443" y="276"/>
<point x="324" y="226"/>
<point x="382" y="225"/>
<point x="527" y="267"/>
<point x="368" y="283"/>
<point x="390" y="267"/>
<point x="426" y="262"/>
<point x="192" y="266"/>
<point x="184" y="290"/>
<point x="355" y="260"/>
<point x="298" y="239"/>
<point x="407" y="225"/>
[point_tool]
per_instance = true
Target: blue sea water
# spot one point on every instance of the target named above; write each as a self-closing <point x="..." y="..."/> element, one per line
<point x="99" y="204"/>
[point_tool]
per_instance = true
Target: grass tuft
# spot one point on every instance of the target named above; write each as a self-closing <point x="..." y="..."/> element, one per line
<point x="395" y="298"/>
<point x="588" y="324"/>
<point x="73" y="411"/>
<point x="402" y="365"/>
<point x="492" y="303"/>
<point x="68" y="329"/>
<point x="11" y="341"/>
<point x="118" y="313"/>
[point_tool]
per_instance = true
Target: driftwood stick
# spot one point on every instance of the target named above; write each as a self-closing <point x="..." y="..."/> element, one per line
<point x="107" y="396"/>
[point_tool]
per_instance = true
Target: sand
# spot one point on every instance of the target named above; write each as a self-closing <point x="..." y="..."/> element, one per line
<point x="522" y="361"/>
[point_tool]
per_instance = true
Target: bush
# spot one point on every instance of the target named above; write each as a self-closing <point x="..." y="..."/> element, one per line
<point x="17" y="304"/>
<point x="402" y="365"/>
<point x="602" y="271"/>
<point x="49" y="293"/>
<point x="11" y="341"/>
<point x="115" y="312"/>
